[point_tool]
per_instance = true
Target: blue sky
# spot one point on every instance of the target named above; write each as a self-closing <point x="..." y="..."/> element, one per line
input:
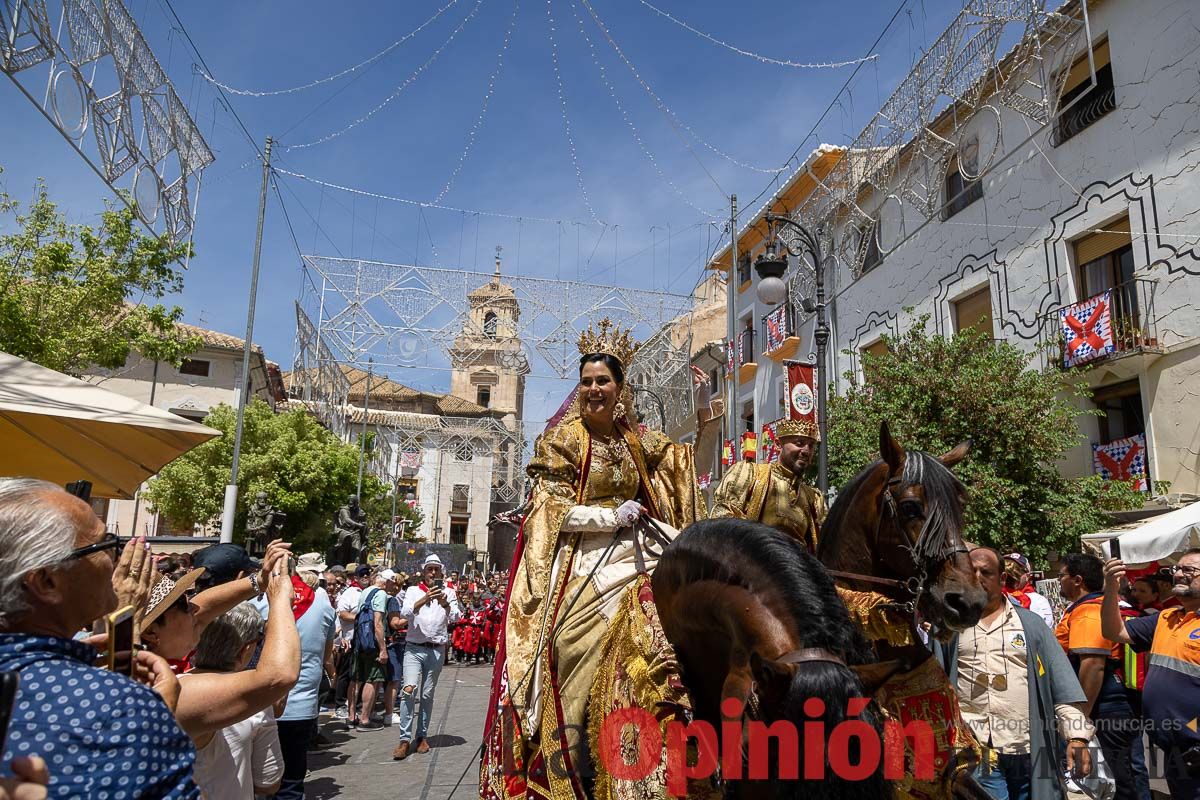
<point x="520" y="162"/>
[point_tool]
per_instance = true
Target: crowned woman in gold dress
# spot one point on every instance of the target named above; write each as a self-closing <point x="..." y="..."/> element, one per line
<point x="606" y="497"/>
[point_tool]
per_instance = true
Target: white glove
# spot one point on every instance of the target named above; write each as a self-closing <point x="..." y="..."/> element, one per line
<point x="629" y="512"/>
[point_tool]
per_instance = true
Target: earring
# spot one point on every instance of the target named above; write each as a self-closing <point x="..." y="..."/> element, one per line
<point x="619" y="410"/>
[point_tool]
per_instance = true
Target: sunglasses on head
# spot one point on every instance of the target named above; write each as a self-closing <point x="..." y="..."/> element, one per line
<point x="109" y="541"/>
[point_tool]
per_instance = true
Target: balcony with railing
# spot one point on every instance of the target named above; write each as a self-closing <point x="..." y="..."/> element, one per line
<point x="1114" y="324"/>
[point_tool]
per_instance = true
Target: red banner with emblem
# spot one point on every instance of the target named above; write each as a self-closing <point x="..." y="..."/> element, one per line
<point x="802" y="390"/>
<point x="777" y="328"/>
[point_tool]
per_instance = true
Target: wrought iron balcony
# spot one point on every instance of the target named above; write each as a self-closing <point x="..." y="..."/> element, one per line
<point x="460" y="507"/>
<point x="1101" y="328"/>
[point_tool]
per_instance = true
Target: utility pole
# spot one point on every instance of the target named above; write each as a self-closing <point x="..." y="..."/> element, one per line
<point x="231" y="489"/>
<point x="731" y="292"/>
<point x="362" y="436"/>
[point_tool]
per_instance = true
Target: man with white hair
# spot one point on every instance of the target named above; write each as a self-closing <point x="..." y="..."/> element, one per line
<point x="430" y="608"/>
<point x="100" y="733"/>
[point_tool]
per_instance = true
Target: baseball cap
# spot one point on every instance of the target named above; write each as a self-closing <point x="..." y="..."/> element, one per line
<point x="224" y="561"/>
<point x="388" y="575"/>
<point x="310" y="562"/>
<point x="338" y="569"/>
<point x="1019" y="559"/>
<point x="362" y="572"/>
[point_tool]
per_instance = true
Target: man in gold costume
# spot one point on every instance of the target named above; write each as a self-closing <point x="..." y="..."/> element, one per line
<point x="776" y="494"/>
<point x="606" y="498"/>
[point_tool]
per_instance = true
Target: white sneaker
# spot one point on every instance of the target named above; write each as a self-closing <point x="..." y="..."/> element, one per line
<point x="393" y="720"/>
<point x="341" y="713"/>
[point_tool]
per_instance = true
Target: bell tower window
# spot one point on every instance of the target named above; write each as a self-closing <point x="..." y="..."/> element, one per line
<point x="490" y="324"/>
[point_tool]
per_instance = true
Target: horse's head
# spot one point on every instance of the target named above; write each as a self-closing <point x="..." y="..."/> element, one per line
<point x="920" y="524"/>
<point x="900" y="522"/>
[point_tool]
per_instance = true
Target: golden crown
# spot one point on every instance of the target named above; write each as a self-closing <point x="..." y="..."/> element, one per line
<point x="797" y="427"/>
<point x="611" y="340"/>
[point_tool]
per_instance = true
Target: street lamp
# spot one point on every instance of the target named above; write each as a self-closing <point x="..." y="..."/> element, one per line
<point x="771" y="266"/>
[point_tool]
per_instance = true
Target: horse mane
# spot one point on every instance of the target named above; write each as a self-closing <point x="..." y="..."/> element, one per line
<point x="944" y="510"/>
<point x="774" y="566"/>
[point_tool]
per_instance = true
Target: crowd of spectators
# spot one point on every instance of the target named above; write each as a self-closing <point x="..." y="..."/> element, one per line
<point x="221" y="694"/>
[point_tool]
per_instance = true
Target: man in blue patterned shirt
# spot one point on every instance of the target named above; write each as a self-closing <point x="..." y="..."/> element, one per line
<point x="102" y="735"/>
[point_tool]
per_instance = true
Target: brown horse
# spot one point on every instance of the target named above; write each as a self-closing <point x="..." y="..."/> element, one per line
<point x="759" y="629"/>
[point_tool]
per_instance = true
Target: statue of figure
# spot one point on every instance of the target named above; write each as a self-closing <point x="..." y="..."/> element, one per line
<point x="263" y="523"/>
<point x="350" y="530"/>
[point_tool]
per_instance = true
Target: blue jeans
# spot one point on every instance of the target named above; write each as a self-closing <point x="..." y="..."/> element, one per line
<point x="422" y="666"/>
<point x="1010" y="778"/>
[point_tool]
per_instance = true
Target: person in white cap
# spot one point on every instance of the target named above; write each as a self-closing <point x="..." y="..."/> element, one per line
<point x="429" y="608"/>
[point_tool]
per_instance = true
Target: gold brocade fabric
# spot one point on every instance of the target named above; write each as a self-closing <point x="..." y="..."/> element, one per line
<point x="568" y="469"/>
<point x="878" y="622"/>
<point x="637" y="670"/>
<point x="774" y="496"/>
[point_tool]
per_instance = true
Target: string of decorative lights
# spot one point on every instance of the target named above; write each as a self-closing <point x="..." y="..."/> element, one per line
<point x="424" y="203"/>
<point x="757" y="56"/>
<point x="562" y="102"/>
<point x="628" y="120"/>
<point x="671" y="116"/>
<point x="330" y="78"/>
<point x="407" y="82"/>
<point x="487" y="96"/>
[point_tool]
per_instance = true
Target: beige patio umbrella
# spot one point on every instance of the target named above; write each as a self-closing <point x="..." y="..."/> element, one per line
<point x="62" y="429"/>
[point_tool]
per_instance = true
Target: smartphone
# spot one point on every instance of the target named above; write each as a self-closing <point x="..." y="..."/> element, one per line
<point x="1114" y="548"/>
<point x="8" y="699"/>
<point x="119" y="627"/>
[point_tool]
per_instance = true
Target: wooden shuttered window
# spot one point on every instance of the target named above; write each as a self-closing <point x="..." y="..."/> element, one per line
<point x="1114" y="236"/>
<point x="975" y="311"/>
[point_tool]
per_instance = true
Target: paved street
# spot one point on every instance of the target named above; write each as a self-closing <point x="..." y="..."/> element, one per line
<point x="360" y="765"/>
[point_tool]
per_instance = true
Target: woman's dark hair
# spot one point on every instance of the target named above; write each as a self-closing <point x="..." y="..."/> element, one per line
<point x="611" y="362"/>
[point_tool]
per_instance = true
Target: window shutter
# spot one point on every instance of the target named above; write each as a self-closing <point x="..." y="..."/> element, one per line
<point x="1081" y="70"/>
<point x="975" y="311"/>
<point x="1115" y="236"/>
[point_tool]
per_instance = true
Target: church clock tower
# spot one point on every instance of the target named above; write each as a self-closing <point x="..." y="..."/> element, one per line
<point x="489" y="366"/>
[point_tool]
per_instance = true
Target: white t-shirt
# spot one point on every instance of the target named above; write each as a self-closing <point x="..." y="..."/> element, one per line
<point x="240" y="757"/>
<point x="1039" y="605"/>
<point x="348" y="600"/>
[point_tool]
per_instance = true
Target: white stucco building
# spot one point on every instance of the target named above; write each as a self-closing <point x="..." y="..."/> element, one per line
<point x="1103" y="200"/>
<point x="206" y="378"/>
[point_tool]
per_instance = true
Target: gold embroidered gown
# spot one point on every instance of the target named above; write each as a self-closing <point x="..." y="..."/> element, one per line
<point x="565" y="591"/>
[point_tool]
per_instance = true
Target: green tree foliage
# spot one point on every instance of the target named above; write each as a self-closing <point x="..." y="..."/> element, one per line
<point x="305" y="470"/>
<point x="73" y="297"/>
<point x="379" y="513"/>
<point x="935" y="392"/>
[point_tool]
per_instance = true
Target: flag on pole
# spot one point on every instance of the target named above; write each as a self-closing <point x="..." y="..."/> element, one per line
<point x="777" y="328"/>
<point x="770" y="444"/>
<point x="802" y="390"/>
<point x="727" y="457"/>
<point x="1087" y="330"/>
<point x="1123" y="460"/>
<point x="749" y="446"/>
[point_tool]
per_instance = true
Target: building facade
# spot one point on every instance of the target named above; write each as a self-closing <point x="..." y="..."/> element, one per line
<point x="204" y="379"/>
<point x="1080" y="243"/>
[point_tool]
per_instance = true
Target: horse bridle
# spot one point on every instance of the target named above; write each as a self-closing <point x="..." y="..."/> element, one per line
<point x="914" y="585"/>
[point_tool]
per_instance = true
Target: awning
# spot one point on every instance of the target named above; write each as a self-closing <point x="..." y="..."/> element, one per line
<point x="1155" y="539"/>
<point x="62" y="429"/>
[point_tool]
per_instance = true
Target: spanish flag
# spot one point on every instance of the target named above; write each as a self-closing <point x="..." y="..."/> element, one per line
<point x="749" y="445"/>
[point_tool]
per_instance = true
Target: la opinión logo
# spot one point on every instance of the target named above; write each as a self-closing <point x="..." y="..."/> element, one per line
<point x="853" y="749"/>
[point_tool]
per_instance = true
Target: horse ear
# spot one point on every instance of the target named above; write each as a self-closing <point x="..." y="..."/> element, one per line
<point x="956" y="455"/>
<point x="890" y="450"/>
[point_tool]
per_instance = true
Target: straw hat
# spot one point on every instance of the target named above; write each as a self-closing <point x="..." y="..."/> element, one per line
<point x="164" y="594"/>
